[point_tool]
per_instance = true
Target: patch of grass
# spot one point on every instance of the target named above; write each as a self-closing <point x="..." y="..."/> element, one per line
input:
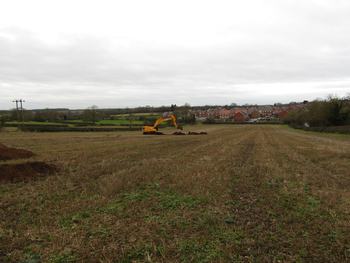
<point x="172" y="200"/>
<point x="207" y="220"/>
<point x="139" y="195"/>
<point x="145" y="114"/>
<point x="308" y="208"/>
<point x="75" y="219"/>
<point x="33" y="123"/>
<point x="66" y="256"/>
<point x="163" y="200"/>
<point x="113" y="207"/>
<point x="32" y="257"/>
<point x="99" y="232"/>
<point x="192" y="250"/>
<point x="154" y="219"/>
<point x="3" y="190"/>
<point x="137" y="253"/>
<point x="230" y="236"/>
<point x="119" y="121"/>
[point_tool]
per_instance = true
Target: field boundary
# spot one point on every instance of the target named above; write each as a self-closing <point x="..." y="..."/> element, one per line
<point x="331" y="129"/>
<point x="75" y="129"/>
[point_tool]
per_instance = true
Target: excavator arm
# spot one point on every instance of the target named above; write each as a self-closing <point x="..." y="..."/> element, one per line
<point x="162" y="119"/>
<point x="154" y="129"/>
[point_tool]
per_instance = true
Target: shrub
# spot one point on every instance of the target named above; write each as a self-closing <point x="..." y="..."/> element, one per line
<point x="2" y="122"/>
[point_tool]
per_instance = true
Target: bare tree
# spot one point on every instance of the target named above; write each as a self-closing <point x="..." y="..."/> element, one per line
<point x="90" y="114"/>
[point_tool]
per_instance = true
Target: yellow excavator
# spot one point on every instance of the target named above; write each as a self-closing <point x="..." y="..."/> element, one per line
<point x="153" y="130"/>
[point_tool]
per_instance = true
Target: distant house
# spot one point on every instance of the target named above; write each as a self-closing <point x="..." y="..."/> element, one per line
<point x="254" y="114"/>
<point x="282" y="114"/>
<point x="201" y="114"/>
<point x="244" y="113"/>
<point x="214" y="113"/>
<point x="224" y="113"/>
<point x="266" y="110"/>
<point x="240" y="116"/>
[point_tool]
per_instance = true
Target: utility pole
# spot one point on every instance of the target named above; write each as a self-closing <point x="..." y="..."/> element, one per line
<point x="19" y="109"/>
<point x="22" y="117"/>
<point x="17" y="114"/>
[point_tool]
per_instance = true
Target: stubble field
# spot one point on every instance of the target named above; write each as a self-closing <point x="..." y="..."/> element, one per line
<point x="239" y="194"/>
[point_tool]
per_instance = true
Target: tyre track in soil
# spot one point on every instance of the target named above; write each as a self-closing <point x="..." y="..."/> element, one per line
<point x="327" y="179"/>
<point x="303" y="180"/>
<point x="198" y="173"/>
<point x="260" y="177"/>
<point x="250" y="202"/>
<point x="161" y="150"/>
<point x="327" y="159"/>
<point x="214" y="145"/>
<point x="296" y="164"/>
<point x="158" y="156"/>
<point x="318" y="138"/>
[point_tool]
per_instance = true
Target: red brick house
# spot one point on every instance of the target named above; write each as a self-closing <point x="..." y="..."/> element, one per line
<point x="225" y="113"/>
<point x="282" y="114"/>
<point x="240" y="116"/>
<point x="254" y="114"/>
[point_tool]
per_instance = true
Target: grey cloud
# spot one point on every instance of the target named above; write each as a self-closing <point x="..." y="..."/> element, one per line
<point x="312" y="44"/>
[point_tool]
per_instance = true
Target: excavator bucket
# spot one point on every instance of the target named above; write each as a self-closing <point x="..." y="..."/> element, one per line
<point x="179" y="133"/>
<point x="197" y="133"/>
<point x="153" y="133"/>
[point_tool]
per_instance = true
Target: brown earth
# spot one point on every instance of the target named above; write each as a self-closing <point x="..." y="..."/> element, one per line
<point x="24" y="171"/>
<point x="7" y="153"/>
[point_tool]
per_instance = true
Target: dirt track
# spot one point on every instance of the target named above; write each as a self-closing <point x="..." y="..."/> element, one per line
<point x="241" y="193"/>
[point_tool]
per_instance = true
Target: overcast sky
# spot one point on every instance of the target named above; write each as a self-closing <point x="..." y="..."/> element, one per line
<point x="77" y="53"/>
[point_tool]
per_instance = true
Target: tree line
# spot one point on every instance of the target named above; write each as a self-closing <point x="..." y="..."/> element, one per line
<point x="332" y="111"/>
<point x="93" y="114"/>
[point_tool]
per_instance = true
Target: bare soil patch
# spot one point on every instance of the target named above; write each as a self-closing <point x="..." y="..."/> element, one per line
<point x="25" y="171"/>
<point x="7" y="153"/>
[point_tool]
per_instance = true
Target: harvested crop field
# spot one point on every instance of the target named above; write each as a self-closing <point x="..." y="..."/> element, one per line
<point x="239" y="194"/>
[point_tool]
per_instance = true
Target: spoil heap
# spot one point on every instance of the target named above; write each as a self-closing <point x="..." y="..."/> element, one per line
<point x="25" y="171"/>
<point x="22" y="171"/>
<point x="7" y="153"/>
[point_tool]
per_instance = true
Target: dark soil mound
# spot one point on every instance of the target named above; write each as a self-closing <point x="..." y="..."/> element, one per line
<point x="25" y="171"/>
<point x="197" y="133"/>
<point x="7" y="153"/>
<point x="179" y="133"/>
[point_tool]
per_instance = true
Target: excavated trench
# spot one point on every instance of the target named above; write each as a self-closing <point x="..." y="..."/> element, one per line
<point x="23" y="171"/>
